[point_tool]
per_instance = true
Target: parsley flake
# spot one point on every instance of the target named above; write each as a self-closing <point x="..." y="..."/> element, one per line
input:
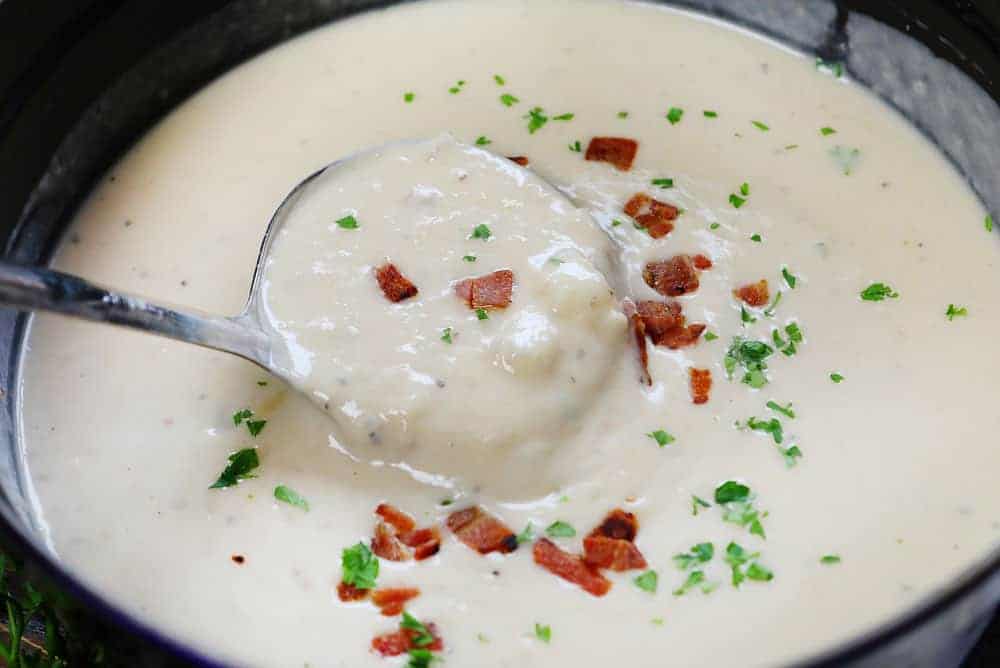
<point x="661" y="437"/>
<point x="622" y="114"/>
<point x="696" y="579"/>
<point x="423" y="636"/>
<point x="736" y="201"/>
<point x="836" y="377"/>
<point x="698" y="502"/>
<point x="348" y="223"/>
<point x="481" y="231"/>
<point x="769" y="311"/>
<point x="710" y="336"/>
<point x="663" y="183"/>
<point x="508" y="100"/>
<point x="499" y="79"/>
<point x="527" y="535"/>
<point x="359" y="566"/>
<point x="955" y="312"/>
<point x="446" y="335"/>
<point x="408" y="97"/>
<point x="830" y="559"/>
<point x="576" y="147"/>
<point x="830" y="67"/>
<point x="536" y="119"/>
<point x="469" y="258"/>
<point x="291" y="497"/>
<point x="674" y="115"/>
<point x="481" y="314"/>
<point x="615" y="222"/>
<point x="772" y="427"/>
<point x="760" y="126"/>
<point x="483" y="140"/>
<point x="988" y="223"/>
<point x="737" y="505"/>
<point x="246" y="416"/>
<point x="701" y="553"/>
<point x="784" y="410"/>
<point x="789" y="277"/>
<point x="457" y="88"/>
<point x="876" y="292"/>
<point x="745" y="189"/>
<point x="240" y="467"/>
<point x="648" y="581"/>
<point x="791" y="455"/>
<point x="560" y="529"/>
<point x="750" y="355"/>
<point x="543" y="633"/>
<point x="708" y="113"/>
<point x="563" y="117"/>
<point x="756" y="237"/>
<point x="714" y="226"/>
<point x="827" y="131"/>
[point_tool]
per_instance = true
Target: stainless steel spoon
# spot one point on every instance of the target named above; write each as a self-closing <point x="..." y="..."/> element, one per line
<point x="38" y="289"/>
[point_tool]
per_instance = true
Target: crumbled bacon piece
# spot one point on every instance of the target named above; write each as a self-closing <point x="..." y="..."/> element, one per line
<point x="347" y="592"/>
<point x="481" y="531"/>
<point x="672" y="278"/>
<point x="394" y="285"/>
<point x="610" y="544"/>
<point x="392" y="600"/>
<point x="386" y="545"/>
<point x="666" y="325"/>
<point x="652" y="214"/>
<point x="403" y="640"/>
<point x="637" y="329"/>
<point x="701" y="384"/>
<point x="399" y="520"/>
<point x="425" y="542"/>
<point x="754" y="294"/>
<point x="519" y="159"/>
<point x="617" y="151"/>
<point x="488" y="291"/>
<point x="569" y="567"/>
<point x="702" y="262"/>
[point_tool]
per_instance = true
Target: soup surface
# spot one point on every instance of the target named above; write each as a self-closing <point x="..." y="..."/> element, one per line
<point x="842" y="466"/>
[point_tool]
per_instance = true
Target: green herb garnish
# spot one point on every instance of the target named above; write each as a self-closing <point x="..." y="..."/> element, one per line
<point x="347" y="223"/>
<point x="481" y="231"/>
<point x="756" y="237"/>
<point x="830" y="67"/>
<point x="784" y="410"/>
<point x="988" y="223"/>
<point x="956" y="311"/>
<point x="481" y="314"/>
<point x="750" y="355"/>
<point x="836" y="377"/>
<point x="563" y="117"/>
<point x="622" y="114"/>
<point x="790" y="278"/>
<point x="291" y="497"/>
<point x="543" y="633"/>
<point x="469" y="258"/>
<point x="482" y="140"/>
<point x="701" y="553"/>
<point x="408" y="97"/>
<point x="424" y="637"/>
<point x="446" y="335"/>
<point x="710" y="336"/>
<point x="648" y="581"/>
<point x="674" y="115"/>
<point x="695" y="579"/>
<point x="527" y="535"/>
<point x="560" y="529"/>
<point x="359" y="566"/>
<point x="772" y="427"/>
<point x="241" y="463"/>
<point x="499" y="79"/>
<point x="714" y="226"/>
<point x="708" y="113"/>
<point x="576" y="147"/>
<point x="760" y="126"/>
<point x="663" y="183"/>
<point x="830" y="559"/>
<point x="827" y="131"/>
<point x="696" y="502"/>
<point x="737" y="505"/>
<point x="736" y="201"/>
<point x="661" y="437"/>
<point x="876" y="292"/>
<point x="508" y="100"/>
<point x="536" y="119"/>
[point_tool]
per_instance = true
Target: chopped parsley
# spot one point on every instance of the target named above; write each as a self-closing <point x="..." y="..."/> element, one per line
<point x="560" y="529"/>
<point x="246" y="416"/>
<point x="710" y="336"/>
<point x="482" y="140"/>
<point x="622" y="114"/>
<point x="663" y="183"/>
<point x="661" y="437"/>
<point x="446" y="335"/>
<point x="794" y="333"/>
<point x="769" y="311"/>
<point x="830" y="559"/>
<point x="527" y="535"/>
<point x="508" y="100"/>
<point x="760" y="126"/>
<point x="481" y="231"/>
<point x="240" y="467"/>
<point x="750" y="355"/>
<point x="708" y="113"/>
<point x="291" y="497"/>
<point x="408" y="97"/>
<point x="481" y="314"/>
<point x="830" y="67"/>
<point x="359" y="566"/>
<point x="847" y="158"/>
<point x="713" y="226"/>
<point x="745" y="189"/>
<point x="262" y="383"/>
<point x="827" y="131"/>
<point x="836" y="377"/>
<point x="543" y="632"/>
<point x="648" y="581"/>
<point x="736" y="200"/>
<point x="701" y="553"/>
<point x="420" y="657"/>
<point x="411" y="623"/>
<point x="576" y="147"/>
<point x="956" y="311"/>
<point x="784" y="410"/>
<point x="457" y="88"/>
<point x="790" y="278"/>
<point x="347" y="223"/>
<point x="536" y="119"/>
<point x="791" y="455"/>
<point x="876" y="292"/>
<point x="745" y="566"/>
<point x="698" y="502"/>
<point x="791" y="147"/>
<point x="772" y="427"/>
<point x="756" y="237"/>
<point x="988" y="223"/>
<point x="657" y="621"/>
<point x="737" y="505"/>
<point x="695" y="579"/>
<point x="745" y="316"/>
<point x="674" y="115"/>
<point x="563" y="117"/>
<point x="499" y="79"/>
<point x="615" y="222"/>
<point x="469" y="258"/>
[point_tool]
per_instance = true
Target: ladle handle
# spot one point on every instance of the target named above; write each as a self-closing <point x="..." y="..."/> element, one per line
<point x="34" y="288"/>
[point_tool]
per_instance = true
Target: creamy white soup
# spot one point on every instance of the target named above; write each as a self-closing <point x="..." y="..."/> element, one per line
<point x="796" y="461"/>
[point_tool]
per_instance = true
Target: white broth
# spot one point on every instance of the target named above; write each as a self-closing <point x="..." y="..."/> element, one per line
<point x="893" y="400"/>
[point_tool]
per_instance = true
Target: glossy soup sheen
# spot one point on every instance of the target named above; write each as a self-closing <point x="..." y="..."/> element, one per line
<point x="892" y="398"/>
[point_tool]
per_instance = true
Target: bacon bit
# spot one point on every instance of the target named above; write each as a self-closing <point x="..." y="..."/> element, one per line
<point x="386" y="545"/>
<point x="392" y="600"/>
<point x="395" y="286"/>
<point x="672" y="278"/>
<point x="612" y="553"/>
<point x="702" y="262"/>
<point x="665" y="324"/>
<point x="754" y="294"/>
<point x="652" y="214"/>
<point x="701" y="384"/>
<point x="569" y="567"/>
<point x="519" y="159"/>
<point x="488" y="291"/>
<point x="347" y="592"/>
<point x="481" y="531"/>
<point x="637" y="328"/>
<point x="399" y="520"/>
<point x="238" y="559"/>
<point x="617" y="151"/>
<point x="425" y="542"/>
<point x="618" y="524"/>
<point x="402" y="641"/>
